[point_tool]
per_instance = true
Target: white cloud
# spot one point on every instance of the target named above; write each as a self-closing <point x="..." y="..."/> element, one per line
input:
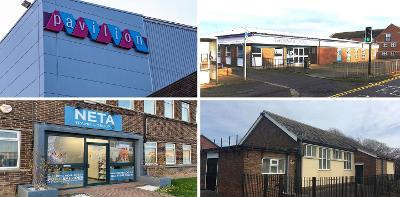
<point x="325" y="17"/>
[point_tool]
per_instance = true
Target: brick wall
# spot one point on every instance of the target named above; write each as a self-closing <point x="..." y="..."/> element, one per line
<point x="230" y="173"/>
<point x="326" y="55"/>
<point x="206" y="143"/>
<point x="268" y="135"/>
<point x="185" y="87"/>
<point x="370" y="165"/>
<point x="160" y="129"/>
<point x="380" y="39"/>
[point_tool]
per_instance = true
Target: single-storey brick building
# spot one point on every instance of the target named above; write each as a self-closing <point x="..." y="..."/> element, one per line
<point x="278" y="145"/>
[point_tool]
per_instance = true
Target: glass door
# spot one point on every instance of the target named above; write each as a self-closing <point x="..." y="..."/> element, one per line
<point x="97" y="160"/>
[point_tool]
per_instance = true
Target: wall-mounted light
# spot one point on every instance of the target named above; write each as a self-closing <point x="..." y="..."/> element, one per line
<point x="26" y="4"/>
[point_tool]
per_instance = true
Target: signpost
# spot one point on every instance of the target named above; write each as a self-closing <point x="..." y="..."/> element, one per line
<point x="368" y="39"/>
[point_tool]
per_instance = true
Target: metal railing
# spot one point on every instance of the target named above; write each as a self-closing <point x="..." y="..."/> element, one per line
<point x="257" y="185"/>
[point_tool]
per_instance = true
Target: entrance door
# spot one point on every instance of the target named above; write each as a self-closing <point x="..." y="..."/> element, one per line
<point x="211" y="174"/>
<point x="296" y="55"/>
<point x="97" y="160"/>
<point x="256" y="56"/>
<point x="359" y="173"/>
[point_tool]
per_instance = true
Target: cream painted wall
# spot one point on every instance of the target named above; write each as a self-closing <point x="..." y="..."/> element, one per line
<point x="390" y="167"/>
<point x="310" y="167"/>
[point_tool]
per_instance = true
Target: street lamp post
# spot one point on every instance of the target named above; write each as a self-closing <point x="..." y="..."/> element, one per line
<point x="245" y="55"/>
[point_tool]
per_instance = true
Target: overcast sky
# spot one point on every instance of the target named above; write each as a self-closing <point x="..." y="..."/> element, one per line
<point x="181" y="11"/>
<point x="318" y="17"/>
<point x="378" y="119"/>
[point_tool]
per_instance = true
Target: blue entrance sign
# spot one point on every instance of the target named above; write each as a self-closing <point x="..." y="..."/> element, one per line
<point x="92" y="119"/>
<point x="63" y="178"/>
<point x="124" y="174"/>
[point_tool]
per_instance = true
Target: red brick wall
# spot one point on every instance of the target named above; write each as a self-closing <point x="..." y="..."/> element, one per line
<point x="230" y="173"/>
<point x="380" y="39"/>
<point x="268" y="135"/>
<point x="205" y="143"/>
<point x="370" y="166"/>
<point x="326" y="55"/>
<point x="160" y="129"/>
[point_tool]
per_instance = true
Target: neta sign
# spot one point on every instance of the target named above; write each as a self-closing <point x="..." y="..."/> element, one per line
<point x="104" y="33"/>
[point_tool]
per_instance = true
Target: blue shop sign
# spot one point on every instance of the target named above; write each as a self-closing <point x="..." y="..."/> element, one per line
<point x="92" y="119"/>
<point x="123" y="174"/>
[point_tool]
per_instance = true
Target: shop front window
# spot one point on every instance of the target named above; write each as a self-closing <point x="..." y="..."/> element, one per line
<point x="65" y="156"/>
<point x="121" y="161"/>
<point x="9" y="149"/>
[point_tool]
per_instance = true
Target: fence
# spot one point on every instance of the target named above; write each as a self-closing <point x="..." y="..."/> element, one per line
<point x="360" y="69"/>
<point x="256" y="185"/>
<point x="277" y="64"/>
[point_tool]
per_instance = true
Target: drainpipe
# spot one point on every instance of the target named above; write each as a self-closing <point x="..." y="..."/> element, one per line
<point x="144" y="141"/>
<point x="299" y="165"/>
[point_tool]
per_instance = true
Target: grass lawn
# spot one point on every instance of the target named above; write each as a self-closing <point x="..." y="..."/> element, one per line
<point x="181" y="187"/>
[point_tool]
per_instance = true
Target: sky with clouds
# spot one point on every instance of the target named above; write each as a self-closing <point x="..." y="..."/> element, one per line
<point x="181" y="11"/>
<point x="375" y="119"/>
<point x="315" y="17"/>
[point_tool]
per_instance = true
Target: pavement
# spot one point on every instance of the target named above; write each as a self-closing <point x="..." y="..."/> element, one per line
<point x="120" y="190"/>
<point x="276" y="83"/>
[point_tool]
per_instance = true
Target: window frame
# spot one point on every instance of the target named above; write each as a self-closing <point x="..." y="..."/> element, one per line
<point x="347" y="162"/>
<point x="228" y="51"/>
<point x="384" y="53"/>
<point x="166" y="161"/>
<point x="313" y="151"/>
<point x="273" y="165"/>
<point x="156" y="162"/>
<point x="393" y="44"/>
<point x="339" y="154"/>
<point x="393" y="53"/>
<point x="388" y="37"/>
<point x="132" y="107"/>
<point x="385" y="45"/>
<point x="188" y="111"/>
<point x="173" y="108"/>
<point x="154" y="105"/>
<point x="18" y="140"/>
<point x="321" y="158"/>
<point x="190" y="153"/>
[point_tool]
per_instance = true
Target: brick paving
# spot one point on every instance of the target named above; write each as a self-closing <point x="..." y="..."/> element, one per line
<point x="116" y="190"/>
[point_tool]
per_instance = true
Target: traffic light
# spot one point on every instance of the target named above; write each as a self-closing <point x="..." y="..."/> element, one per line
<point x="368" y="34"/>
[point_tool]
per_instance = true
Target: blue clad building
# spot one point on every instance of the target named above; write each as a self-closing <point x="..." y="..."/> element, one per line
<point x="71" y="48"/>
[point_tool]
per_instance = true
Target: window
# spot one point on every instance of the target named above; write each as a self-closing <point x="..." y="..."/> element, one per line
<point x="388" y="37"/>
<point x="384" y="53"/>
<point x="187" y="154"/>
<point x="324" y="158"/>
<point x="385" y="45"/>
<point x="393" y="44"/>
<point x="240" y="51"/>
<point x="227" y="51"/>
<point x="347" y="161"/>
<point x="150" y="153"/>
<point x="169" y="109"/>
<point x="150" y="107"/>
<point x="170" y="158"/>
<point x="127" y="104"/>
<point x="121" y="152"/>
<point x="185" y="111"/>
<point x="392" y="53"/>
<point x="9" y="149"/>
<point x="273" y="166"/>
<point x="356" y="54"/>
<point x="337" y="154"/>
<point x="310" y="151"/>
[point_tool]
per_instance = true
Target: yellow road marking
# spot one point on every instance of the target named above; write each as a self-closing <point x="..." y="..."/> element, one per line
<point x="397" y="76"/>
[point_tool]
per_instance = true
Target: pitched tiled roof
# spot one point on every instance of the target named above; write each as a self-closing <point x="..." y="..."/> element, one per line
<point x="312" y="134"/>
<point x="355" y="34"/>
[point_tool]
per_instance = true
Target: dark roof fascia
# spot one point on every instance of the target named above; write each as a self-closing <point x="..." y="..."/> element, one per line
<point x="240" y="148"/>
